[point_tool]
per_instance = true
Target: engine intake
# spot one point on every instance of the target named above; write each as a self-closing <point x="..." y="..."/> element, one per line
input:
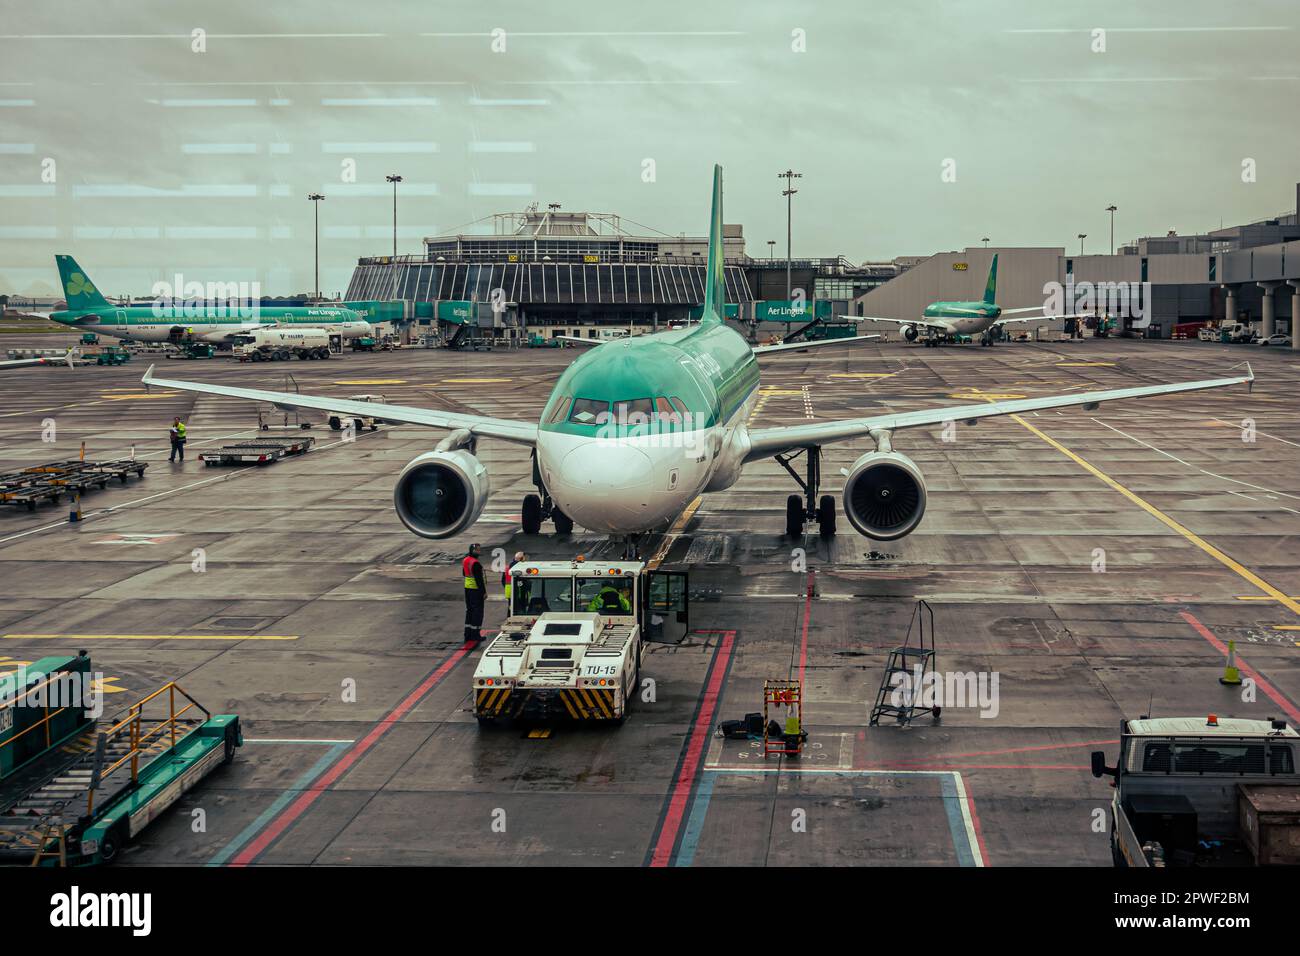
<point x="884" y="495"/>
<point x="910" y="333"/>
<point x="441" y="493"/>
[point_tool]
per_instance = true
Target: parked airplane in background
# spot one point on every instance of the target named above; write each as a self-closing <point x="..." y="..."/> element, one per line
<point x="89" y="311"/>
<point x="636" y="428"/>
<point x="940" y="320"/>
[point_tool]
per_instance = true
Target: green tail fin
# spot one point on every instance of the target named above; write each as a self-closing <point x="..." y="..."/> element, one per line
<point x="991" y="287"/>
<point x="715" y="284"/>
<point x="78" y="290"/>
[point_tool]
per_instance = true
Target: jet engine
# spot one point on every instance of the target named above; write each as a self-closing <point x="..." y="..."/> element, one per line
<point x="884" y="495"/>
<point x="910" y="333"/>
<point x="441" y="493"/>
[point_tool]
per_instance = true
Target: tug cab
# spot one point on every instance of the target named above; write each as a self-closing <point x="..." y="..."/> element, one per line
<point x="571" y="645"/>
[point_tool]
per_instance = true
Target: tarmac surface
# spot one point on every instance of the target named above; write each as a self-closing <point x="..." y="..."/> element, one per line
<point x="1093" y="563"/>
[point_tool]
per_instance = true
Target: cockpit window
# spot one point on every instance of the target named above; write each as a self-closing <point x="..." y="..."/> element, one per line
<point x="666" y="412"/>
<point x="634" y="411"/>
<point x="589" y="411"/>
<point x="561" y="410"/>
<point x="679" y="405"/>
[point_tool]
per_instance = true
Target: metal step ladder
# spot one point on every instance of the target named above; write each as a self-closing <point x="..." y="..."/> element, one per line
<point x="913" y="661"/>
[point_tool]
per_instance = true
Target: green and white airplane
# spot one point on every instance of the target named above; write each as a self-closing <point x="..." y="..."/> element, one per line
<point x="637" y="427"/>
<point x="89" y="311"/>
<point x="942" y="320"/>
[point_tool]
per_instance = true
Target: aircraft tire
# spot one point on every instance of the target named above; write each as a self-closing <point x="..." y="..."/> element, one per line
<point x="532" y="514"/>
<point x="826" y="517"/>
<point x="794" y="517"/>
<point x="563" y="523"/>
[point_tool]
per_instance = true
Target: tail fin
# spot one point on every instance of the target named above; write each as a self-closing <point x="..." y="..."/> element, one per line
<point x="715" y="285"/>
<point x="991" y="287"/>
<point x="78" y="290"/>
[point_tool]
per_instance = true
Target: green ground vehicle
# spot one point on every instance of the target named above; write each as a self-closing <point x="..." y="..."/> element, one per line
<point x="198" y="350"/>
<point x="113" y="355"/>
<point x="76" y="788"/>
<point x="89" y="338"/>
<point x="363" y="344"/>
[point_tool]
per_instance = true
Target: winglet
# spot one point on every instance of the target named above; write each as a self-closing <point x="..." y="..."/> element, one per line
<point x="715" y="286"/>
<point x="1250" y="378"/>
<point x="148" y="378"/>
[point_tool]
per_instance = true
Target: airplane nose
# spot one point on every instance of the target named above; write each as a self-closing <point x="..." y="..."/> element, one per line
<point x="603" y="486"/>
<point x="606" y="470"/>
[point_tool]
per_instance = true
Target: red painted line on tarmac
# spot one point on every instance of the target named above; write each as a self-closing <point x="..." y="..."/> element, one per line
<point x="1013" y="750"/>
<point x="701" y="731"/>
<point x="1275" y="695"/>
<point x="350" y="756"/>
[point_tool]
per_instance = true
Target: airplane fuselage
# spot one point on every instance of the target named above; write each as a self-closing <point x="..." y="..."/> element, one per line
<point x="636" y="429"/>
<point x="964" y="318"/>
<point x="164" y="324"/>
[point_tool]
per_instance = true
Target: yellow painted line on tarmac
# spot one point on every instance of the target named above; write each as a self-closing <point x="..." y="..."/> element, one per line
<point x="673" y="532"/>
<point x="137" y="396"/>
<point x="371" y="381"/>
<point x="976" y="395"/>
<point x="1262" y="597"/>
<point x="1289" y="602"/>
<point x="1286" y="627"/>
<point x="150" y="637"/>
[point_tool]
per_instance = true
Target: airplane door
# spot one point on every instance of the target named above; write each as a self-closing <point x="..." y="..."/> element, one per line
<point x="668" y="619"/>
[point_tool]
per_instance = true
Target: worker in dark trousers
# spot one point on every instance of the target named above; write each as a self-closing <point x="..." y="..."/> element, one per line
<point x="471" y="569"/>
<point x="177" y="435"/>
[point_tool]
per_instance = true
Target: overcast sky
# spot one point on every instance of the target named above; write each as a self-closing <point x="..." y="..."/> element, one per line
<point x="165" y="159"/>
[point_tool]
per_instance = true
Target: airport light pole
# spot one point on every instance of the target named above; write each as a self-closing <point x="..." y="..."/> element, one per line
<point x="394" y="179"/>
<point x="1111" y="209"/>
<point x="315" y="199"/>
<point x="789" y="176"/>
<point x="1082" y="236"/>
<point x="985" y="240"/>
<point x="771" y="249"/>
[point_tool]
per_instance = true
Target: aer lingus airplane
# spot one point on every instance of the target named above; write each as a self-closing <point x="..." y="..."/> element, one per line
<point x="943" y="319"/>
<point x="636" y="428"/>
<point x="88" y="311"/>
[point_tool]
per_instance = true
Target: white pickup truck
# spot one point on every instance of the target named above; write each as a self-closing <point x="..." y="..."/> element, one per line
<point x="338" y="419"/>
<point x="1214" y="791"/>
<point x="571" y="645"/>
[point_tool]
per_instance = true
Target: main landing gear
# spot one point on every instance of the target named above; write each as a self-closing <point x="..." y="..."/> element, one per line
<point x="539" y="507"/>
<point x="800" y="509"/>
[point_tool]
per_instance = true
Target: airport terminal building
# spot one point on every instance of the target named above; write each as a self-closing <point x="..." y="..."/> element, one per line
<point x="574" y="273"/>
<point x="1248" y="273"/>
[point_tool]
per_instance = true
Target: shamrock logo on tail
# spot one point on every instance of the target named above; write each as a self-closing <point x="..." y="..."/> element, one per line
<point x="78" y="284"/>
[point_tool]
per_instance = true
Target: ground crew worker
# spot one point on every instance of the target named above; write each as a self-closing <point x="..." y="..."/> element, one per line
<point x="471" y="569"/>
<point x="177" y="435"/>
<point x="507" y="577"/>
<point x="609" y="601"/>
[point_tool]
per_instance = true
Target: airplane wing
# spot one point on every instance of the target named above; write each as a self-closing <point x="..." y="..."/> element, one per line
<point x="66" y="359"/>
<point x="804" y="346"/>
<point x="920" y="323"/>
<point x="521" y="433"/>
<point x="765" y="442"/>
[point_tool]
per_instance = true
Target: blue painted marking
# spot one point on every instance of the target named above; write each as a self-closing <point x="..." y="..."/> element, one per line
<point x="695" y="822"/>
<point x="280" y="802"/>
<point x="956" y="823"/>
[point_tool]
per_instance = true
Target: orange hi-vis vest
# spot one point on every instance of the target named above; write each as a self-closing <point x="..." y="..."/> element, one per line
<point x="467" y="570"/>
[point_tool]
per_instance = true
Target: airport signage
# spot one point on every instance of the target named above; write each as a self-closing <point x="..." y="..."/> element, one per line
<point x="785" y="310"/>
<point x="591" y="259"/>
<point x="959" y="267"/>
<point x="456" y="311"/>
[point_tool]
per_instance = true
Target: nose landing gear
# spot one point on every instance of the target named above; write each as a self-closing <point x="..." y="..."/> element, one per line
<point x="800" y="509"/>
<point x="539" y="507"/>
